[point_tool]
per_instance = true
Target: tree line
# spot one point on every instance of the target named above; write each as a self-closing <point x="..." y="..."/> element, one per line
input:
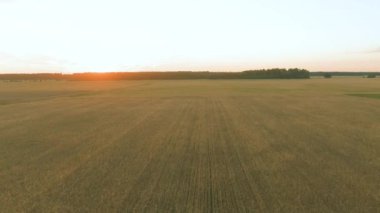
<point x="293" y="73"/>
<point x="353" y="74"/>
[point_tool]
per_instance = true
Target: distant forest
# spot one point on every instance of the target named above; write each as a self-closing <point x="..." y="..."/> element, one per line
<point x="294" y="73"/>
<point x="249" y="74"/>
<point x="364" y="74"/>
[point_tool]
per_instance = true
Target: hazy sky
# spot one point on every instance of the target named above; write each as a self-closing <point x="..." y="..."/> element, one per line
<point x="227" y="35"/>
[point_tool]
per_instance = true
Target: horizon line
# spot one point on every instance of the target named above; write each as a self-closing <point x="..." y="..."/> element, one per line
<point x="147" y="71"/>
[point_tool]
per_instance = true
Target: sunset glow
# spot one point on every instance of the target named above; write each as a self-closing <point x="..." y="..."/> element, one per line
<point x="155" y="35"/>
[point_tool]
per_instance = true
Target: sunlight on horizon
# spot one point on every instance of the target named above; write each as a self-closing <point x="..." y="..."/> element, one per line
<point x="79" y="36"/>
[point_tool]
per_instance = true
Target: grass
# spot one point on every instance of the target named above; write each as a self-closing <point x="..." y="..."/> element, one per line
<point x="190" y="146"/>
<point x="367" y="95"/>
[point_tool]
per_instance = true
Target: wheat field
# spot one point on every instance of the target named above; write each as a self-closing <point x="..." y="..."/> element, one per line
<point x="190" y="146"/>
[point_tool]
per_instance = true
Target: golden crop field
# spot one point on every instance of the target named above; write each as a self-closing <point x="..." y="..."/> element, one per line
<point x="190" y="146"/>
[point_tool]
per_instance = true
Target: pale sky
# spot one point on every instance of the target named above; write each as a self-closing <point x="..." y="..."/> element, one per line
<point x="216" y="35"/>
